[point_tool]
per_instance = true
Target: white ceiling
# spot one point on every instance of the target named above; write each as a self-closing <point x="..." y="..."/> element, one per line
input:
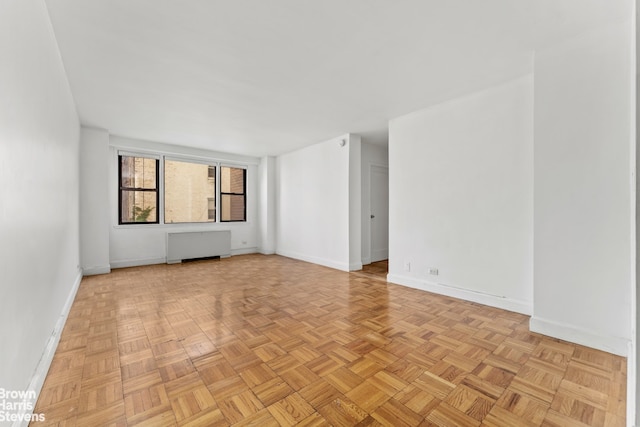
<point x="261" y="77"/>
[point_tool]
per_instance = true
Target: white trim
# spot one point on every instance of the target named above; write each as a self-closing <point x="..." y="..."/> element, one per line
<point x="225" y="164"/>
<point x="137" y="262"/>
<point x="504" y="303"/>
<point x="179" y="226"/>
<point x="37" y="380"/>
<point x="152" y="261"/>
<point x="316" y="260"/>
<point x="146" y="155"/>
<point x="631" y="383"/>
<point x="188" y="159"/>
<point x="366" y="261"/>
<point x="244" y="251"/>
<point x="355" y="266"/>
<point x="98" y="269"/>
<point x="571" y="333"/>
<point x="218" y="191"/>
<point x="122" y="143"/>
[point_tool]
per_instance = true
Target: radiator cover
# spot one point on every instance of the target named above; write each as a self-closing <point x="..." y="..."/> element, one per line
<point x="198" y="244"/>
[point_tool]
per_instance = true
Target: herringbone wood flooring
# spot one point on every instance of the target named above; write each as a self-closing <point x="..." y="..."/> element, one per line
<point x="266" y="340"/>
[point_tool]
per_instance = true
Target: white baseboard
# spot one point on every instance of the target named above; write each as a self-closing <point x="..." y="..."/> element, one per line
<point x="366" y="261"/>
<point x="355" y="266"/>
<point x="37" y="380"/>
<point x="92" y="271"/>
<point x="571" y="333"/>
<point x="316" y="260"/>
<point x="632" y="378"/>
<point x="504" y="303"/>
<point x="137" y="262"/>
<point x="244" y="251"/>
<point x="267" y="251"/>
<point x="151" y="261"/>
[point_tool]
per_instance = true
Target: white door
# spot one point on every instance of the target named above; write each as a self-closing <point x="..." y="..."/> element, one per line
<point x="379" y="213"/>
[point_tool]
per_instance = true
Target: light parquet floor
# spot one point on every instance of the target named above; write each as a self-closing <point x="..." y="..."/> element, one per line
<point x="376" y="270"/>
<point x="266" y="340"/>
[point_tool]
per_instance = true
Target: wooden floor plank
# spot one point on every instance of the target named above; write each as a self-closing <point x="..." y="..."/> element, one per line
<point x="270" y="341"/>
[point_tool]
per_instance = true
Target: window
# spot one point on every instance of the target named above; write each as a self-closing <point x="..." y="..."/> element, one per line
<point x="138" y="196"/>
<point x="233" y="197"/>
<point x="154" y="189"/>
<point x="189" y="192"/>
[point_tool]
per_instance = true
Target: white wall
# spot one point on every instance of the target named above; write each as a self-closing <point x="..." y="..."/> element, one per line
<point x="633" y="361"/>
<point x="583" y="194"/>
<point x="371" y="155"/>
<point x="146" y="244"/>
<point x="355" y="202"/>
<point x="313" y="217"/>
<point x="39" y="225"/>
<point x="460" y="197"/>
<point x="267" y="205"/>
<point x="94" y="201"/>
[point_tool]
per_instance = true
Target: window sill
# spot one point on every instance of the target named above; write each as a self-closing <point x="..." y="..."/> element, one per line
<point x="183" y="225"/>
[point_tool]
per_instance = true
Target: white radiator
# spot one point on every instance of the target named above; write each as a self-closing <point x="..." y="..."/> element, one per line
<point x="198" y="244"/>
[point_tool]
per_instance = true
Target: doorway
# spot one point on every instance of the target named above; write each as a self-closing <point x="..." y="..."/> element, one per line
<point x="379" y="212"/>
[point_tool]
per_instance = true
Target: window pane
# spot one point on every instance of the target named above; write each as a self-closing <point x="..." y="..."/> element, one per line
<point x="189" y="192"/>
<point x="233" y="197"/>
<point x="211" y="212"/>
<point x="138" y="172"/>
<point x="138" y="206"/>
<point x="232" y="180"/>
<point x="232" y="208"/>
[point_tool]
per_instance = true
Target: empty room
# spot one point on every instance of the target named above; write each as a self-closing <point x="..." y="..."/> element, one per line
<point x="284" y="212"/>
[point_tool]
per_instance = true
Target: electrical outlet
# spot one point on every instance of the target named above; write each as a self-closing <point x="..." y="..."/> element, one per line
<point x="433" y="271"/>
<point x="407" y="265"/>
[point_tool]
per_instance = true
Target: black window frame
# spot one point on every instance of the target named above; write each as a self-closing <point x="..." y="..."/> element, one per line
<point x="121" y="188"/>
<point x="244" y="194"/>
